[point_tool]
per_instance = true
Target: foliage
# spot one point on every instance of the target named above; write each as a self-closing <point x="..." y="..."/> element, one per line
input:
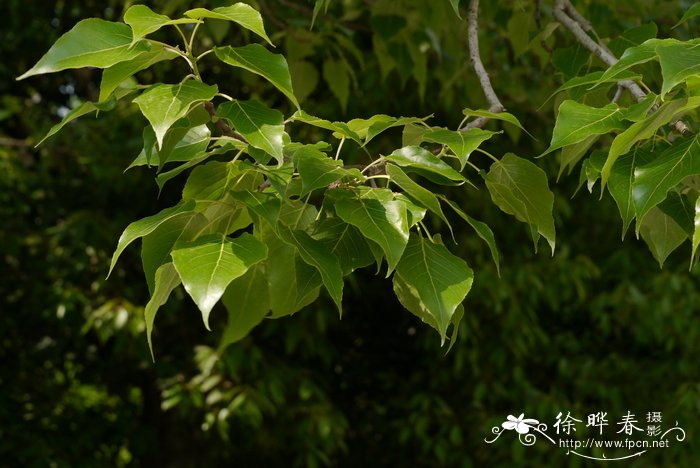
<point x="596" y="327"/>
<point x="255" y="194"/>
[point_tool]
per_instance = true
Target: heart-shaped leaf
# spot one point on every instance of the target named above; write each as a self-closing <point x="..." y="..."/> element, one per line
<point x="207" y="265"/>
<point x="146" y="226"/>
<point x="440" y="280"/>
<point x="257" y="59"/>
<point x="520" y="188"/>
<point x="652" y="181"/>
<point x="163" y="105"/>
<point x="261" y="126"/>
<point x="240" y="13"/>
<point x="378" y="217"/>
<point x="91" y="43"/>
<point x="144" y="21"/>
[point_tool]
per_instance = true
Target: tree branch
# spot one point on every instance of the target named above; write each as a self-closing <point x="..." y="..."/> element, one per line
<point x="578" y="26"/>
<point x="565" y="12"/>
<point x="475" y="56"/>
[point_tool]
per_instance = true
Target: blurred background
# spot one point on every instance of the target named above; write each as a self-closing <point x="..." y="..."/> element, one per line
<point x="598" y="327"/>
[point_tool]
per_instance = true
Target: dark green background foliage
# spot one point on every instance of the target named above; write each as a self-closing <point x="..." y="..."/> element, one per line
<point x="598" y="327"/>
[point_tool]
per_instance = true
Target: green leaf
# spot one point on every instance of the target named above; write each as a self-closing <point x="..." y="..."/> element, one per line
<point x="83" y="109"/>
<point x="652" y="181"/>
<point x="505" y="116"/>
<point x="679" y="208"/>
<point x="370" y="128"/>
<point x="482" y="230"/>
<point x="264" y="205"/>
<point x="163" y="104"/>
<point x="166" y="279"/>
<point x="460" y="143"/>
<point x="519" y="187"/>
<point x="212" y="180"/>
<point x="378" y="217"/>
<point x="305" y="78"/>
<point x="572" y="154"/>
<point x="691" y="12"/>
<point x="339" y="128"/>
<point x="146" y="226"/>
<point x="240" y="13"/>
<point x="455" y="7"/>
<point x="247" y="302"/>
<point x="338" y="80"/>
<point x="256" y="59"/>
<point x="633" y="56"/>
<point x="317" y="170"/>
<point x="224" y="216"/>
<point x="425" y="163"/>
<point x="621" y="179"/>
<point x="642" y="130"/>
<point x="593" y="79"/>
<point x="156" y="246"/>
<point x="577" y="122"/>
<point x="91" y="43"/>
<point x="415" y="191"/>
<point x="344" y="242"/>
<point x="679" y="61"/>
<point x="261" y="126"/>
<point x="113" y="76"/>
<point x="315" y="253"/>
<point x="207" y="265"/>
<point x="144" y="21"/>
<point x="662" y="234"/>
<point x="696" y="232"/>
<point x="292" y="284"/>
<point x="440" y="279"/>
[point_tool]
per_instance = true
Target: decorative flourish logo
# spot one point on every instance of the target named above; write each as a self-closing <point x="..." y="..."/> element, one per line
<point x="529" y="429"/>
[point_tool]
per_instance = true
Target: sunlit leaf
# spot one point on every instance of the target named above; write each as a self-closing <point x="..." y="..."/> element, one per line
<point x="417" y="192"/>
<point x="423" y="162"/>
<point x="653" y="180"/>
<point x="642" y="130"/>
<point x="164" y="104"/>
<point x="679" y="61"/>
<point x="91" y="43"/>
<point x="256" y="59"/>
<point x="504" y="116"/>
<point x="621" y="179"/>
<point x="207" y="265"/>
<point x="240" y="13"/>
<point x="378" y="217"/>
<point x="144" y="21"/>
<point x="261" y="126"/>
<point x="83" y="109"/>
<point x="440" y="279"/>
<point x="156" y="246"/>
<point x="145" y="226"/>
<point x="577" y="122"/>
<point x="113" y="76"/>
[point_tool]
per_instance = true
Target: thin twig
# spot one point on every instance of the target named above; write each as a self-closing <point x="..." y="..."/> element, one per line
<point x="475" y="56"/>
<point x="578" y="26"/>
